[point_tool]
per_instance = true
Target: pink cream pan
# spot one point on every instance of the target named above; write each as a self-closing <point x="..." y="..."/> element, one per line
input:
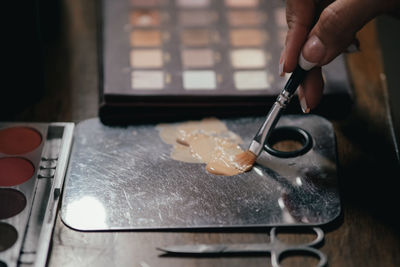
<point x="33" y="161"/>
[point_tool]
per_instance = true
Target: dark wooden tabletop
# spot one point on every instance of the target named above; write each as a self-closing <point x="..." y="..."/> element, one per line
<point x="367" y="234"/>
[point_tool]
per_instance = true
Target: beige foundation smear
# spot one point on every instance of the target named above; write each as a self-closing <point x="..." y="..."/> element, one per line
<point x="207" y="141"/>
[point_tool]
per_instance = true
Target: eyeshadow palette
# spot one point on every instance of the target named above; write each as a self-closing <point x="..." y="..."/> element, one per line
<point x="164" y="59"/>
<point x="124" y="178"/>
<point x="33" y="161"/>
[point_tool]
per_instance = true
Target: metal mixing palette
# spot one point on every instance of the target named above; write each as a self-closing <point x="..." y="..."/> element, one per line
<point x="124" y="179"/>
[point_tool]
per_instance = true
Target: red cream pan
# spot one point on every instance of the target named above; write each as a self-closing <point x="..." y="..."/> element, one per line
<point x="15" y="171"/>
<point x="19" y="140"/>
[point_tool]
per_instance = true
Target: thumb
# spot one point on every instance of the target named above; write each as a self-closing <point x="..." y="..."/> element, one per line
<point x="336" y="28"/>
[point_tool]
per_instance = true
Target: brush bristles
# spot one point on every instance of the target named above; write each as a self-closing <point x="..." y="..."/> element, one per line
<point x="245" y="160"/>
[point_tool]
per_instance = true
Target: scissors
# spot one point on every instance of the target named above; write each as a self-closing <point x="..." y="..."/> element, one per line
<point x="275" y="247"/>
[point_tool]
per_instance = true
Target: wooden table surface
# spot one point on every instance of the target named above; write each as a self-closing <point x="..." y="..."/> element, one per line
<point x="367" y="234"/>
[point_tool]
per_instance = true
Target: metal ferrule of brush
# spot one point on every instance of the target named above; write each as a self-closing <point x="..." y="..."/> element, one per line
<point x="272" y="118"/>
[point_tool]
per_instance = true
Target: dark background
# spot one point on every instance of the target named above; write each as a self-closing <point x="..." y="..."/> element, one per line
<point x="389" y="37"/>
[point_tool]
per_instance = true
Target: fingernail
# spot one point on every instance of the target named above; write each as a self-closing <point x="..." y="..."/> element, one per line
<point x="304" y="106"/>
<point x="314" y="50"/>
<point x="281" y="63"/>
<point x="303" y="102"/>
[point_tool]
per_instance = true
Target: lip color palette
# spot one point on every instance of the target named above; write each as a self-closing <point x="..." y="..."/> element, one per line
<point x="164" y="59"/>
<point x="33" y="161"/>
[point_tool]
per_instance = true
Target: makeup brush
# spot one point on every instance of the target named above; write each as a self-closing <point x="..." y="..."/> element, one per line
<point x="245" y="160"/>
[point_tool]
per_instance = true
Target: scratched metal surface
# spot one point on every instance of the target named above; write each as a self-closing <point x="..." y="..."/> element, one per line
<point x="124" y="178"/>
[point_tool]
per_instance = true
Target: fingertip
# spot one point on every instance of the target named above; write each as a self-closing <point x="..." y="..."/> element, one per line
<point x="312" y="88"/>
<point x="314" y="50"/>
<point x="295" y="39"/>
<point x="300" y="18"/>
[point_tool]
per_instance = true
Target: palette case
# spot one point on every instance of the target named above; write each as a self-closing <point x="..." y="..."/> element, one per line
<point x="33" y="162"/>
<point x="169" y="59"/>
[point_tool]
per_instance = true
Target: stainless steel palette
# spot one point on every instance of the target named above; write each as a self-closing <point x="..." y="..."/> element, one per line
<point x="124" y="179"/>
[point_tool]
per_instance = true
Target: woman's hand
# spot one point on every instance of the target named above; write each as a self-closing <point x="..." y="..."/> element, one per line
<point x="321" y="30"/>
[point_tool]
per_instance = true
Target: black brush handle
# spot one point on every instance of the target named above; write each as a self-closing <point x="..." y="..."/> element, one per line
<point x="295" y="79"/>
<point x="298" y="74"/>
<point x="282" y="100"/>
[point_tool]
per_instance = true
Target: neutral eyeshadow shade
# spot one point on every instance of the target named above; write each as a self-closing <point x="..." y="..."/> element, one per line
<point x="15" y="171"/>
<point x="146" y="58"/>
<point x="19" y="140"/>
<point x="197" y="58"/>
<point x="246" y="37"/>
<point x="147" y="80"/>
<point x="201" y="80"/>
<point x="195" y="37"/>
<point x="12" y="202"/>
<point x="245" y="18"/>
<point x="149" y="3"/>
<point x="193" y="3"/>
<point x="146" y="38"/>
<point x="145" y="18"/>
<point x="280" y="17"/>
<point x="251" y="80"/>
<point x="9" y="236"/>
<point x="241" y="3"/>
<point x="197" y="17"/>
<point x="248" y="58"/>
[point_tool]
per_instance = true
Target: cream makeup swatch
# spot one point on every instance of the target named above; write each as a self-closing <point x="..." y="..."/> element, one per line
<point x="207" y="141"/>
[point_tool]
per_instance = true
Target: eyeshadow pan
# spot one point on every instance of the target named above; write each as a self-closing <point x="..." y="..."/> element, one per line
<point x="245" y="18"/>
<point x="19" y="140"/>
<point x="8" y="236"/>
<point x="12" y="202"/>
<point x="195" y="37"/>
<point x="146" y="38"/>
<point x="147" y="80"/>
<point x="251" y="80"/>
<point x="197" y="58"/>
<point x="246" y="37"/>
<point x="241" y="3"/>
<point x="148" y="3"/>
<point x="15" y="171"/>
<point x="197" y="17"/>
<point x="145" y="18"/>
<point x="146" y="58"/>
<point x="193" y="3"/>
<point x="248" y="58"/>
<point x="199" y="79"/>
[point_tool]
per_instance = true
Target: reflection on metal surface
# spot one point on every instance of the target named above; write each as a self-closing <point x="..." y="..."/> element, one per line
<point x="87" y="212"/>
<point x="129" y="181"/>
<point x="298" y="181"/>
